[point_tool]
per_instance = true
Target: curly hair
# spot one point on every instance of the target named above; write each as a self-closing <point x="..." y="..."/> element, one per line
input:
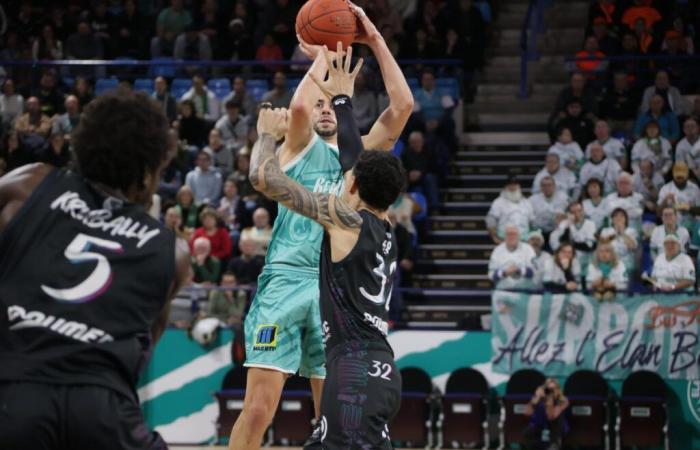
<point x="380" y="178"/>
<point x="120" y="139"/>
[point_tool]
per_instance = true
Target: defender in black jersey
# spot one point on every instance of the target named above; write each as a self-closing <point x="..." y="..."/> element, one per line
<point x="86" y="277"/>
<point x="358" y="259"/>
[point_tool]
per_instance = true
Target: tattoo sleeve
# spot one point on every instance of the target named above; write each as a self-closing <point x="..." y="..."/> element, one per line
<point x="267" y="177"/>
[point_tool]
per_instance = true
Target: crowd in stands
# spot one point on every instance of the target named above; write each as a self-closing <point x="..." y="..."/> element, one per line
<point x="617" y="201"/>
<point x="205" y="196"/>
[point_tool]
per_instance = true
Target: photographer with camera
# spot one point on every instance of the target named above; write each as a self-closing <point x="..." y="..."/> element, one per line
<point x="548" y="423"/>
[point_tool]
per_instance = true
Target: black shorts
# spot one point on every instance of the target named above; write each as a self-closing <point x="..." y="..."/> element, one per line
<point x="361" y="394"/>
<point x="56" y="417"/>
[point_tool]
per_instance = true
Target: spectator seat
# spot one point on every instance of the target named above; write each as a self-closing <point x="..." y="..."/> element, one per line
<point x="104" y="85"/>
<point x="68" y="82"/>
<point x="292" y="424"/>
<point x="519" y="390"/>
<point x="413" y="84"/>
<point x="398" y="148"/>
<point x="230" y="400"/>
<point x="179" y="86"/>
<point x="463" y="422"/>
<point x="642" y="419"/>
<point x="256" y="88"/>
<point x="412" y="425"/>
<point x="221" y="87"/>
<point x="159" y="69"/>
<point x="588" y="413"/>
<point x="144" y="85"/>
<point x="292" y="83"/>
<point x="448" y="86"/>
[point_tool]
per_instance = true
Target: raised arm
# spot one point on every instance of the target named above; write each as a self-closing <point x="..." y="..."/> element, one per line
<point x="305" y="97"/>
<point x="339" y="88"/>
<point x="388" y="127"/>
<point x="267" y="177"/>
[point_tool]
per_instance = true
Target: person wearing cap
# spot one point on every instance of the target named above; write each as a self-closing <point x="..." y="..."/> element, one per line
<point x="654" y="147"/>
<point x="565" y="179"/>
<point x="542" y="258"/>
<point x="511" y="262"/>
<point x="669" y="226"/>
<point x="673" y="270"/>
<point x="511" y="207"/>
<point x="578" y="231"/>
<point x="204" y="181"/>
<point x="681" y="194"/>
<point x="688" y="148"/>
<point x="601" y="167"/>
<point x="606" y="275"/>
<point x="613" y="147"/>
<point x="549" y="203"/>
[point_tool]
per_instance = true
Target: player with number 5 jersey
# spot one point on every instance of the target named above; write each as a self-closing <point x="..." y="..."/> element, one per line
<point x="86" y="276"/>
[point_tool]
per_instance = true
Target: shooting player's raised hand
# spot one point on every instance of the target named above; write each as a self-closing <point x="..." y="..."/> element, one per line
<point x="341" y="81"/>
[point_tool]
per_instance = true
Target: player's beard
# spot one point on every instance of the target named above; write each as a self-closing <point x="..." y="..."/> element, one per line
<point x="325" y="132"/>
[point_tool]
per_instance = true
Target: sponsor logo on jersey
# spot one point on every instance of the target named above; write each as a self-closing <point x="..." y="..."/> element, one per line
<point x="378" y="323"/>
<point x="326" y="186"/>
<point x="36" y="319"/>
<point x="71" y="204"/>
<point x="266" y="338"/>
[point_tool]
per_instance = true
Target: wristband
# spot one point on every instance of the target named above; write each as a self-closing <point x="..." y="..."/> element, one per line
<point x="341" y="99"/>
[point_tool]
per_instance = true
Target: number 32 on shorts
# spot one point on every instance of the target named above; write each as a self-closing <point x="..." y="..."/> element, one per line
<point x="380" y="370"/>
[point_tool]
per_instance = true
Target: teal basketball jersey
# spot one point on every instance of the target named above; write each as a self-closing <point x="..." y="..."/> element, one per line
<point x="296" y="240"/>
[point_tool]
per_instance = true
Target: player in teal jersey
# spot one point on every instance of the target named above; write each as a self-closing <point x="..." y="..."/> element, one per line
<point x="283" y="328"/>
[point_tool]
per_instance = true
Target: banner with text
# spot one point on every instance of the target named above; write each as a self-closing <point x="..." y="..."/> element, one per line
<point x="560" y="333"/>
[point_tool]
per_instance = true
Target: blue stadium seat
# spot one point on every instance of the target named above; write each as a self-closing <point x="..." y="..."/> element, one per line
<point x="157" y="70"/>
<point x="179" y="86"/>
<point x="292" y="83"/>
<point x="398" y="148"/>
<point x="144" y="85"/>
<point x="103" y="85"/>
<point x="68" y="81"/>
<point x="221" y="87"/>
<point x="256" y="88"/>
<point x="413" y="83"/>
<point x="448" y="86"/>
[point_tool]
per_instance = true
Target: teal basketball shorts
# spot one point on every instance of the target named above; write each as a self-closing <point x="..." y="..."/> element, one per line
<point x="283" y="327"/>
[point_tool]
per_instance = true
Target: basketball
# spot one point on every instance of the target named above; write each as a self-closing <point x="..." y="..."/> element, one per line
<point x="325" y="22"/>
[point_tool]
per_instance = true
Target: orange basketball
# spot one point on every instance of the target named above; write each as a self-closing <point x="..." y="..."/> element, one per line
<point x="325" y="22"/>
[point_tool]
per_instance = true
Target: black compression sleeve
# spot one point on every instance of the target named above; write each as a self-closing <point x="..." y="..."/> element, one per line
<point x="349" y="138"/>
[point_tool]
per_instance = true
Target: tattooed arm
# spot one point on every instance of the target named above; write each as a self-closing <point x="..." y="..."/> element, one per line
<point x="267" y="177"/>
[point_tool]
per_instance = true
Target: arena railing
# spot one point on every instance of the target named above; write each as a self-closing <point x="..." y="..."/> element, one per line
<point x="532" y="26"/>
<point x="124" y="68"/>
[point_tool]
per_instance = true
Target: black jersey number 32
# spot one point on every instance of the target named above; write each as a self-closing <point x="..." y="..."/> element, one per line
<point x="384" y="274"/>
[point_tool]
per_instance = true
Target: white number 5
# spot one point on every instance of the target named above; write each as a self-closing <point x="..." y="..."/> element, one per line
<point x="378" y="368"/>
<point x="78" y="251"/>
